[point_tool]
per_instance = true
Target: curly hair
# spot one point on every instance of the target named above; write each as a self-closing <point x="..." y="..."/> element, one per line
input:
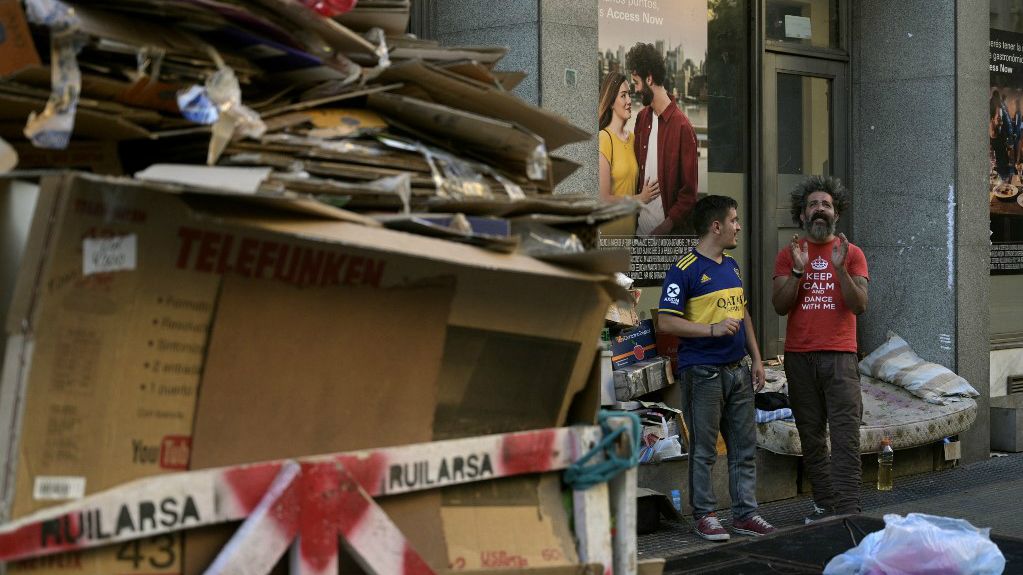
<point x="827" y="184"/>
<point x="645" y="60"/>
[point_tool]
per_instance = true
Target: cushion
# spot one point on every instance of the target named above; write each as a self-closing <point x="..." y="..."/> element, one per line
<point x="895" y="362"/>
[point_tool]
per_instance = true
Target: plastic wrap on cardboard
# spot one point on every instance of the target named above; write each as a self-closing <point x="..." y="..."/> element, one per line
<point x="630" y="382"/>
<point x="453" y="177"/>
<point x="52" y="128"/>
<point x="196" y="106"/>
<point x="513" y="190"/>
<point x="536" y="239"/>
<point x="235" y="119"/>
<point x="337" y="193"/>
<point x="52" y="13"/>
<point x="378" y="38"/>
<point x="536" y="164"/>
<point x="345" y="147"/>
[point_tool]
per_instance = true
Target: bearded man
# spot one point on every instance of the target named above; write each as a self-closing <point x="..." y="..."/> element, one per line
<point x="820" y="283"/>
<point x="665" y="146"/>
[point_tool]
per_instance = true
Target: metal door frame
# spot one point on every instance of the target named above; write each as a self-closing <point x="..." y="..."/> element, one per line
<point x="768" y="215"/>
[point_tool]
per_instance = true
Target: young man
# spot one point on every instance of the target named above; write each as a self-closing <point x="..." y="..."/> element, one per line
<point x="666" y="150"/>
<point x="820" y="282"/>
<point x="703" y="303"/>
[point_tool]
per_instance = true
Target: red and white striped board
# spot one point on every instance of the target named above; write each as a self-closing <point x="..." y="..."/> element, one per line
<point x="178" y="501"/>
<point x="264" y="537"/>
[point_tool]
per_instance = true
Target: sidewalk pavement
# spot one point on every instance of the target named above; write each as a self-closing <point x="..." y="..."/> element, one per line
<point x="986" y="493"/>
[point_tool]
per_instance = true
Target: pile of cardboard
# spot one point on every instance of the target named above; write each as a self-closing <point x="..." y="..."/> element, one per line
<point x="254" y="291"/>
<point x="347" y="111"/>
<point x="156" y="329"/>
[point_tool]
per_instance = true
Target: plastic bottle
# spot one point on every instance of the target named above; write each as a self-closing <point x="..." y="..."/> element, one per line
<point x="885" y="460"/>
<point x="676" y="499"/>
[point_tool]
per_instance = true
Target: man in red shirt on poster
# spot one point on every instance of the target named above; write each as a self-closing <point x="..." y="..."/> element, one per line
<point x="665" y="146"/>
<point x="820" y="282"/>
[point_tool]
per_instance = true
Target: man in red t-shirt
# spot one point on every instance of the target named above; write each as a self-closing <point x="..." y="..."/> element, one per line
<point x="820" y="282"/>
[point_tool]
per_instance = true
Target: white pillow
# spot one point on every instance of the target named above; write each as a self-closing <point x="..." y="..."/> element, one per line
<point x="895" y="362"/>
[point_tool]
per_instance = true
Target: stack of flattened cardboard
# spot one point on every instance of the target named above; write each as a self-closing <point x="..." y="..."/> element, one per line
<point x="350" y="111"/>
<point x="274" y="303"/>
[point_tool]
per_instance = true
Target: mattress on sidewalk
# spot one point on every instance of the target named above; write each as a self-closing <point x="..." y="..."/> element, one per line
<point x="888" y="411"/>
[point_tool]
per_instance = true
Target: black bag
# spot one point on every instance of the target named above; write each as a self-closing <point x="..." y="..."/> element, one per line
<point x="770" y="400"/>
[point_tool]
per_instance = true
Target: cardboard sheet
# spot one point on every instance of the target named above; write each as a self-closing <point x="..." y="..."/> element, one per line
<point x="457" y="91"/>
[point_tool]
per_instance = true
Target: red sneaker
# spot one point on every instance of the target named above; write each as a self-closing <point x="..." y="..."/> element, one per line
<point x="754" y="525"/>
<point x="710" y="528"/>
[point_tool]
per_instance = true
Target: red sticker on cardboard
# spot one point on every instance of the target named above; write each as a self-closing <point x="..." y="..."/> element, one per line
<point x="175" y="451"/>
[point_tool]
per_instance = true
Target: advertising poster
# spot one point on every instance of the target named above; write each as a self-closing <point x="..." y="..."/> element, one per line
<point x="1005" y="136"/>
<point x="667" y="39"/>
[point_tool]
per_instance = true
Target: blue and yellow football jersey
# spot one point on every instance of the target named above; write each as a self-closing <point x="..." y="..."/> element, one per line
<point x="701" y="290"/>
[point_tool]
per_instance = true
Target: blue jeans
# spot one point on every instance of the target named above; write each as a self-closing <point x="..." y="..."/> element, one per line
<point x="720" y="398"/>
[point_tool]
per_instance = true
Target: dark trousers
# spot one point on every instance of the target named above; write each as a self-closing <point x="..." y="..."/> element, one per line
<point x="824" y="391"/>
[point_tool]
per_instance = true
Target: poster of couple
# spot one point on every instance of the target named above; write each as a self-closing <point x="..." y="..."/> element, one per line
<point x="652" y="120"/>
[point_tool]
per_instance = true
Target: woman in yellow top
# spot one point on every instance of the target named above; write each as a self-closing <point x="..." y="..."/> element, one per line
<point x="618" y="167"/>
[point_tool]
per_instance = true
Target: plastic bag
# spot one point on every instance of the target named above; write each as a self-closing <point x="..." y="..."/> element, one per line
<point x="234" y="118"/>
<point x="667" y="448"/>
<point x="662" y="448"/>
<point x="52" y="128"/>
<point x="920" y="543"/>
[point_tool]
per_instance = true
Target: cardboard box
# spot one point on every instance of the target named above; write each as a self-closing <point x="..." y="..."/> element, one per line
<point x="658" y="374"/>
<point x="17" y="49"/>
<point x="641" y="378"/>
<point x="633" y="345"/>
<point x="630" y="382"/>
<point x="135" y="299"/>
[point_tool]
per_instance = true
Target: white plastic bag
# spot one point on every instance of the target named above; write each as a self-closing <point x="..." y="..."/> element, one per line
<point x="667" y="448"/>
<point x="920" y="543"/>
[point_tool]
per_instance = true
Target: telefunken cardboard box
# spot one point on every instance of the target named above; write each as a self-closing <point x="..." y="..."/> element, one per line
<point x="156" y="329"/>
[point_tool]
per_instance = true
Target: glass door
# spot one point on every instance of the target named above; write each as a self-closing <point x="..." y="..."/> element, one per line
<point x="805" y="132"/>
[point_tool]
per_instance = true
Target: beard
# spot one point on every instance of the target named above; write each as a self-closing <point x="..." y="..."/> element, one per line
<point x="646" y="95"/>
<point x="819" y="226"/>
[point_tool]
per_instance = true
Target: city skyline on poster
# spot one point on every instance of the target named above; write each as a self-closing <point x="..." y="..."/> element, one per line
<point x="677" y="32"/>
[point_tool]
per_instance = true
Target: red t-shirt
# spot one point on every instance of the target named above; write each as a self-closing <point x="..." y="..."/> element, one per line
<point x="819" y="320"/>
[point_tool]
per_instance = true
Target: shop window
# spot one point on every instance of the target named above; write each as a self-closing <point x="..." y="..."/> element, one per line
<point x="1005" y="125"/>
<point x="802" y="23"/>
